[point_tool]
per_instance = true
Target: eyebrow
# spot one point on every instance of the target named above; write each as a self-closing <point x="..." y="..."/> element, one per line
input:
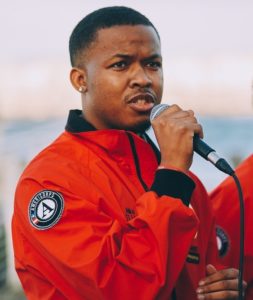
<point x="126" y="56"/>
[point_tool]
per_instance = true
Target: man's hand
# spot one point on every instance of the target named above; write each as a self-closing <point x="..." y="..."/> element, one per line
<point x="174" y="129"/>
<point x="221" y="284"/>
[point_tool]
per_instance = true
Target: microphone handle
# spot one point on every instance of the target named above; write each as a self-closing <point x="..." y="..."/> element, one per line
<point x="201" y="147"/>
<point x="210" y="154"/>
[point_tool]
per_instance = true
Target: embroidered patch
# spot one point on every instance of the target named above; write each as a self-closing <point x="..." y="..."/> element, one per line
<point x="45" y="209"/>
<point x="222" y="241"/>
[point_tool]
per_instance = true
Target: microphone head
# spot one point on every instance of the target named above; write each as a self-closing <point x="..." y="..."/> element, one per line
<point x="156" y="110"/>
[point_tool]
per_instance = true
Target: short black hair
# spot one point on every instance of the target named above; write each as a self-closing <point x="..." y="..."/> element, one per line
<point x="86" y="30"/>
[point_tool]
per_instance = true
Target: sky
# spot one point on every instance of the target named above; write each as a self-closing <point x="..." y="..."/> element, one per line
<point x="207" y="49"/>
<point x="33" y="28"/>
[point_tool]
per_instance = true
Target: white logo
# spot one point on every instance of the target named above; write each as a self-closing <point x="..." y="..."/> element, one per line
<point x="45" y="209"/>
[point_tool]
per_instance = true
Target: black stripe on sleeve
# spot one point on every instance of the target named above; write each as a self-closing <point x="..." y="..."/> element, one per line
<point x="174" y="184"/>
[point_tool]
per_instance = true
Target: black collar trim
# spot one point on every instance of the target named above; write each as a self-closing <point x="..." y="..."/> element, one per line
<point x="76" y="122"/>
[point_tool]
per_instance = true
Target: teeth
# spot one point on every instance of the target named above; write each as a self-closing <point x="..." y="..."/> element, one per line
<point x="142" y="100"/>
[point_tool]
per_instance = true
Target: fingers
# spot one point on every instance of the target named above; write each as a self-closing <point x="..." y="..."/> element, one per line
<point x="222" y="294"/>
<point x="174" y="108"/>
<point x="218" y="295"/>
<point x="225" y="274"/>
<point x="178" y="119"/>
<point x="210" y="269"/>
<point x="174" y="129"/>
<point x="230" y="285"/>
<point x="221" y="284"/>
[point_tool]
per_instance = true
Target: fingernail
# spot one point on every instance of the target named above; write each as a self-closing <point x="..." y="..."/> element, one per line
<point x="199" y="290"/>
<point x="202" y="282"/>
<point x="201" y="297"/>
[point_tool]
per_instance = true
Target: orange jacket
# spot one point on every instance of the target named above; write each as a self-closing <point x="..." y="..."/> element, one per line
<point x="88" y="224"/>
<point x="225" y="201"/>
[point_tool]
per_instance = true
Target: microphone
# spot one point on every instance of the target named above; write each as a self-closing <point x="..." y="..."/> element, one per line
<point x="199" y="146"/>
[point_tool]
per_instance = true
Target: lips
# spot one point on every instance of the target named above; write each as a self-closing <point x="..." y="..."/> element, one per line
<point x="143" y="102"/>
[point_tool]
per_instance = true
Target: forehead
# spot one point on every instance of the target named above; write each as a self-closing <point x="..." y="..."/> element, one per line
<point x="126" y="39"/>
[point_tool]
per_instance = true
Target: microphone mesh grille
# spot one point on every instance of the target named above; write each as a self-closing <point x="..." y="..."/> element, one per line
<point x="156" y="110"/>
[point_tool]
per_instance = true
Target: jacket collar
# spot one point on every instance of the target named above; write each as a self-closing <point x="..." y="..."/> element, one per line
<point x="76" y="124"/>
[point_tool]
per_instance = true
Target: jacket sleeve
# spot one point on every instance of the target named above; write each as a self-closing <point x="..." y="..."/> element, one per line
<point x="93" y="253"/>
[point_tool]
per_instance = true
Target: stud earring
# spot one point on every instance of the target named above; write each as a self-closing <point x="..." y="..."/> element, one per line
<point x="82" y="89"/>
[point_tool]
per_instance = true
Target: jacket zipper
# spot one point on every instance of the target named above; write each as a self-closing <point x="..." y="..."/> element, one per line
<point x="136" y="161"/>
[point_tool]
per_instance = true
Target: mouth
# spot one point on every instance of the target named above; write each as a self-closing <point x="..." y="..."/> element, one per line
<point x="142" y="102"/>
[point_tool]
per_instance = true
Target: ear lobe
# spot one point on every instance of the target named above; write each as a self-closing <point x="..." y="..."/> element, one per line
<point x="78" y="79"/>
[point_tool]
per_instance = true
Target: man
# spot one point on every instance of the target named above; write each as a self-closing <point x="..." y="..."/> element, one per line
<point x="104" y="220"/>
<point x="225" y="201"/>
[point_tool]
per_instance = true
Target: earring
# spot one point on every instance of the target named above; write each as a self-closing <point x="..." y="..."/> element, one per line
<point x="82" y="89"/>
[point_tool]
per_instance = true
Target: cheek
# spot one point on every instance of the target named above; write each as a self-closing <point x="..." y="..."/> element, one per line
<point x="115" y="81"/>
<point x="158" y="87"/>
<point x="159" y="79"/>
<point x="107" y="84"/>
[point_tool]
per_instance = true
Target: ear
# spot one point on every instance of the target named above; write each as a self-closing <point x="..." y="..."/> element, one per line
<point x="78" y="79"/>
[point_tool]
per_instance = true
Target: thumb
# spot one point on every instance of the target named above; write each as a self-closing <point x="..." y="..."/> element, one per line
<point x="210" y="269"/>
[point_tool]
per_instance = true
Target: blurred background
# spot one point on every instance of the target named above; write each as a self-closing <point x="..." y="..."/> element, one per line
<point x="207" y="49"/>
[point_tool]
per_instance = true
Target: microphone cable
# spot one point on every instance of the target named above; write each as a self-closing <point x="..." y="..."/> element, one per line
<point x="242" y="233"/>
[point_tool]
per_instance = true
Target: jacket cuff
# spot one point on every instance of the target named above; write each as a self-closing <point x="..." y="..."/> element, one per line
<point x="174" y="184"/>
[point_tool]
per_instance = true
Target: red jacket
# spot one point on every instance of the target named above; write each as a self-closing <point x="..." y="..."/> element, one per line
<point x="225" y="201"/>
<point x="89" y="224"/>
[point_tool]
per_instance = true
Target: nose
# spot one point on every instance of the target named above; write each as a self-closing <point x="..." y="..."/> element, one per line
<point x="140" y="78"/>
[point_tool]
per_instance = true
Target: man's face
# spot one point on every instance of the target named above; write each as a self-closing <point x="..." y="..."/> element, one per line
<point x="124" y="78"/>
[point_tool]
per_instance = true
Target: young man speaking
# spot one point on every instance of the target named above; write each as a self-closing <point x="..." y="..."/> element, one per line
<point x="100" y="213"/>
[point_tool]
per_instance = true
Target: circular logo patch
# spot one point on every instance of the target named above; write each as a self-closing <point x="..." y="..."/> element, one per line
<point x="222" y="241"/>
<point x="45" y="209"/>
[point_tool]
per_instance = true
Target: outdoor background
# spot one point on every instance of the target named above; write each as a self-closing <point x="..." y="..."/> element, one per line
<point x="207" y="48"/>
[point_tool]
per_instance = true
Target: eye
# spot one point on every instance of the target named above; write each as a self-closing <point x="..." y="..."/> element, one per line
<point x="119" y="65"/>
<point x="155" y="65"/>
